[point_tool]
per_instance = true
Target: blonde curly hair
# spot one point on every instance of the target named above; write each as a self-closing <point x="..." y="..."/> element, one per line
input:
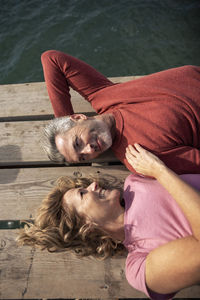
<point x="56" y="229"/>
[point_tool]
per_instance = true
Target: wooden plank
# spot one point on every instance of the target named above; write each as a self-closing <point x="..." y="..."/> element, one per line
<point x="21" y="142"/>
<point x="189" y="293"/>
<point x="22" y="190"/>
<point x="32" y="99"/>
<point x="28" y="273"/>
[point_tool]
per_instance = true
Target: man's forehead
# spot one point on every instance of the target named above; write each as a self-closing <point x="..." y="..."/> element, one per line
<point x="65" y="145"/>
<point x="70" y="152"/>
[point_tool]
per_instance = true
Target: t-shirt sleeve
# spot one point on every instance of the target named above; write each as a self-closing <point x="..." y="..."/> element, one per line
<point x="135" y="274"/>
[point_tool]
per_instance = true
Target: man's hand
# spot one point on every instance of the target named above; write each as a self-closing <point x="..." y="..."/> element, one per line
<point x="143" y="161"/>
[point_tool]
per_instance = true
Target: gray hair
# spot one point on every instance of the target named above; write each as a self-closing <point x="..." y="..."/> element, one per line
<point x="55" y="127"/>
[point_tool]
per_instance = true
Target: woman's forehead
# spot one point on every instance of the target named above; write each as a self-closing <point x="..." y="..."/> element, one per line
<point x="69" y="196"/>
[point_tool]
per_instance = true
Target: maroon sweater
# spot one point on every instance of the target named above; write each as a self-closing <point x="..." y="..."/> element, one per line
<point x="160" y="111"/>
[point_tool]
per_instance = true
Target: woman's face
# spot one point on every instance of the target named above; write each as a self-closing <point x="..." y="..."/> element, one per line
<point x="96" y="204"/>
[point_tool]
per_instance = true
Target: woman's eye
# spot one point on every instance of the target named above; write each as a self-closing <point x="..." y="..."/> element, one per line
<point x="81" y="193"/>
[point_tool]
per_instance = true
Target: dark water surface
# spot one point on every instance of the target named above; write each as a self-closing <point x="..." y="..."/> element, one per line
<point x="118" y="37"/>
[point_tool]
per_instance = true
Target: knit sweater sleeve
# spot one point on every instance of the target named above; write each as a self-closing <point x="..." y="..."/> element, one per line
<point x="62" y="71"/>
<point x="181" y="159"/>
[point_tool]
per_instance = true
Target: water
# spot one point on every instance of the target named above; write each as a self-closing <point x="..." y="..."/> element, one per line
<point x="118" y="37"/>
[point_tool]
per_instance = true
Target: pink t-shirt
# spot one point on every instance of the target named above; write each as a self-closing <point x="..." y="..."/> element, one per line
<point x="152" y="218"/>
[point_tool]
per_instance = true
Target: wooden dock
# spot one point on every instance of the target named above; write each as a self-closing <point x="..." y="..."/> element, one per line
<point x="26" y="176"/>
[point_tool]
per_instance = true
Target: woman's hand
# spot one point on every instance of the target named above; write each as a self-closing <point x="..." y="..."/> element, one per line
<point x="143" y="161"/>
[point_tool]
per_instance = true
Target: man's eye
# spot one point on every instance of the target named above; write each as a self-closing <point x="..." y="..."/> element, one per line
<point x="77" y="142"/>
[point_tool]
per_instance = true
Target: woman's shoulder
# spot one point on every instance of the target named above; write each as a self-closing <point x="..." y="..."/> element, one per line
<point x="138" y="179"/>
<point x="193" y="179"/>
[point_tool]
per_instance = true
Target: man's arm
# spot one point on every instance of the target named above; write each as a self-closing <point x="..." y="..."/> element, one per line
<point x="182" y="159"/>
<point x="57" y="85"/>
<point x="62" y="71"/>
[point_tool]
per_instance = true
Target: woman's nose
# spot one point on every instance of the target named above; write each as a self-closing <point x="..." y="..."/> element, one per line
<point x="93" y="186"/>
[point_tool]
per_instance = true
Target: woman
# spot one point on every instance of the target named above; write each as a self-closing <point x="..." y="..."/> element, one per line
<point x="160" y="226"/>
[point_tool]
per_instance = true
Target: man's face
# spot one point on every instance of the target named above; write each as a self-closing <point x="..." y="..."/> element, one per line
<point x="85" y="141"/>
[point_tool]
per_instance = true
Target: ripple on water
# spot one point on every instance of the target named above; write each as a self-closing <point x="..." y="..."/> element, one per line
<point x="125" y="37"/>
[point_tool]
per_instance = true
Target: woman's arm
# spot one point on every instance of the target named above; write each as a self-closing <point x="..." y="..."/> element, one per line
<point x="175" y="265"/>
<point x="186" y="196"/>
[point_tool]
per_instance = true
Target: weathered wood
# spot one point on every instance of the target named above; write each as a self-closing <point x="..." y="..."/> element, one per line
<point x="22" y="190"/>
<point x="189" y="293"/>
<point x="21" y="142"/>
<point x="28" y="273"/>
<point x="30" y="99"/>
<point x="25" y="272"/>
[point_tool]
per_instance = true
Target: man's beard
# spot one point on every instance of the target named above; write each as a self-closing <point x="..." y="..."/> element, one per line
<point x="104" y="134"/>
<point x="106" y="139"/>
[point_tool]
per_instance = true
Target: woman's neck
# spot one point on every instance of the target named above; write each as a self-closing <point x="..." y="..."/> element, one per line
<point x="116" y="228"/>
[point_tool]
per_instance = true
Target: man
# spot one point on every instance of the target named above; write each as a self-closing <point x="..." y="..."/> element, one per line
<point x="160" y="111"/>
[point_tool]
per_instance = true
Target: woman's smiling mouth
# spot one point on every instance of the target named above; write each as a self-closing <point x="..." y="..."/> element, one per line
<point x="102" y="193"/>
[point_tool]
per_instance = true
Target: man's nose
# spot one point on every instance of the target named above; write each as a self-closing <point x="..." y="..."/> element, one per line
<point x="88" y="149"/>
<point x="93" y="186"/>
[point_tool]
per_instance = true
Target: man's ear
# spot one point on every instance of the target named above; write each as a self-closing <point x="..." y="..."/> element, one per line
<point x="78" y="117"/>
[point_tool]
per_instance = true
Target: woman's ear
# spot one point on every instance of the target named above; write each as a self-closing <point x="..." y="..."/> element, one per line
<point x="78" y="117"/>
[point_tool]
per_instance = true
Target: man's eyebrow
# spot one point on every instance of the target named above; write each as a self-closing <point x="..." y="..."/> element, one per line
<point x="74" y="143"/>
<point x="74" y="147"/>
<point x="80" y="157"/>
